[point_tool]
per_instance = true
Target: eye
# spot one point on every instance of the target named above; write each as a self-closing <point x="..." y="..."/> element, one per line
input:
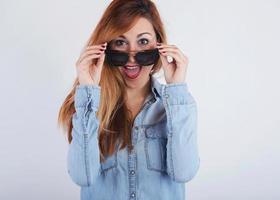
<point x="119" y="43"/>
<point x="143" y="41"/>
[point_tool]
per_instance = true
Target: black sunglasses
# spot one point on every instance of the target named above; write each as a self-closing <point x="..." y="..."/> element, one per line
<point x="117" y="58"/>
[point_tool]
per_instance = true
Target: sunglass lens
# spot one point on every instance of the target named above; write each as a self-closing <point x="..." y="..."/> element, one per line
<point x="147" y="57"/>
<point x="116" y="58"/>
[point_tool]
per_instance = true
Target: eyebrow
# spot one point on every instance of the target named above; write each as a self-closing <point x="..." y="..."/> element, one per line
<point x="143" y="34"/>
<point x="139" y="35"/>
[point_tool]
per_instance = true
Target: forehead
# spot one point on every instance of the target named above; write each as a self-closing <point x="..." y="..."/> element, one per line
<point x="141" y="27"/>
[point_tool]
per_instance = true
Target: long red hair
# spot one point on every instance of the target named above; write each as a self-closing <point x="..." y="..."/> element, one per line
<point x="114" y="117"/>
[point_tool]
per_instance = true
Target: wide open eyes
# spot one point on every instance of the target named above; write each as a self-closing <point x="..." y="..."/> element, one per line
<point x="120" y="58"/>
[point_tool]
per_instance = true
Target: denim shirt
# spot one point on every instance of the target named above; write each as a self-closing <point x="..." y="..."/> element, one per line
<point x="165" y="154"/>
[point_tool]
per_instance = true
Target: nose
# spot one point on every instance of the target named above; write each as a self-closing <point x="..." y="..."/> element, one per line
<point x="131" y="57"/>
<point x="132" y="52"/>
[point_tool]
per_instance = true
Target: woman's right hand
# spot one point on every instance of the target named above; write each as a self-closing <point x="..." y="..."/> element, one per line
<point x="88" y="72"/>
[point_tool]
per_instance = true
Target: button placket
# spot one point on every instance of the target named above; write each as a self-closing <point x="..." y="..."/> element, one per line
<point x="132" y="172"/>
<point x="132" y="195"/>
<point x="131" y="169"/>
<point x="135" y="135"/>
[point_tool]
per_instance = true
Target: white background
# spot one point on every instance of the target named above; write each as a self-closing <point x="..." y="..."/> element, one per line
<point x="233" y="48"/>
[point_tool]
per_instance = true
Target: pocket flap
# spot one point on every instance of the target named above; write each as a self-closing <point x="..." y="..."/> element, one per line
<point x="156" y="131"/>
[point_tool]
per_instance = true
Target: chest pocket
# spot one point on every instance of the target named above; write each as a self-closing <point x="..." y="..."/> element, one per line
<point x="155" y="147"/>
<point x="109" y="164"/>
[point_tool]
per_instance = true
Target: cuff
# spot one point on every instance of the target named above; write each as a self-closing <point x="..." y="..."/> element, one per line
<point x="85" y="94"/>
<point x="177" y="93"/>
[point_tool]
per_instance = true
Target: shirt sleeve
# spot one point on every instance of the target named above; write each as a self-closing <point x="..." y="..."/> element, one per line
<point x="182" y="150"/>
<point x="83" y="154"/>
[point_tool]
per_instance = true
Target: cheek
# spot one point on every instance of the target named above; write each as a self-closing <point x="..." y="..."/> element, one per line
<point x="147" y="69"/>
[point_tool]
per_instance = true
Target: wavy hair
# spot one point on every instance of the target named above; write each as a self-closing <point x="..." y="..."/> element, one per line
<point x="114" y="117"/>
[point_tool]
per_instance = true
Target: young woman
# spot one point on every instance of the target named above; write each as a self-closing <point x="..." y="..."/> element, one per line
<point x="130" y="136"/>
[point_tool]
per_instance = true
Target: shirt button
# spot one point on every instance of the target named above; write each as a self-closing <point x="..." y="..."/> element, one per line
<point x="132" y="195"/>
<point x="166" y="96"/>
<point x="136" y="127"/>
<point x="132" y="172"/>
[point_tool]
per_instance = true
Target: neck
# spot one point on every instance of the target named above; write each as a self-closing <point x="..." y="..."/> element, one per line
<point x="138" y="94"/>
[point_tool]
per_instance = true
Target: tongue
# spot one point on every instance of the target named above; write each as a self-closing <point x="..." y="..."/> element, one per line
<point x="132" y="73"/>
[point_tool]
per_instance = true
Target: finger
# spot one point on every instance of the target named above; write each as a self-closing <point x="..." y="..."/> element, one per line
<point x="92" y="47"/>
<point x="160" y="46"/>
<point x="90" y="52"/>
<point x="168" y="48"/>
<point x="174" y="50"/>
<point x="164" y="60"/>
<point x="100" y="61"/>
<point x="90" y="57"/>
<point x="96" y="46"/>
<point x="174" y="56"/>
<point x="167" y="45"/>
<point x="167" y="67"/>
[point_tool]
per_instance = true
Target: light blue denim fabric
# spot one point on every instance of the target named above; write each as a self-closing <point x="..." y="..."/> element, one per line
<point x="165" y="154"/>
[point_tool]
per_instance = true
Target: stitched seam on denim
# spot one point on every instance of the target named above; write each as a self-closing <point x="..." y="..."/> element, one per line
<point x="85" y="105"/>
<point x="86" y="117"/>
<point x="161" y="154"/>
<point x="135" y="177"/>
<point x="171" y="157"/>
<point x="178" y="103"/>
<point x="85" y="120"/>
<point x="132" y="181"/>
<point x="148" y="159"/>
<point x="128" y="178"/>
<point x="86" y="159"/>
<point x="87" y="90"/>
<point x="87" y="87"/>
<point x="170" y="86"/>
<point x="169" y="121"/>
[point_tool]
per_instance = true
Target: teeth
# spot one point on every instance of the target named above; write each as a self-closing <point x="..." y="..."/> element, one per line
<point x="131" y="67"/>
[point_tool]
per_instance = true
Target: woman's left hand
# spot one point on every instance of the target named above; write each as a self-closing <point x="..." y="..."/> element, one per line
<point x="174" y="71"/>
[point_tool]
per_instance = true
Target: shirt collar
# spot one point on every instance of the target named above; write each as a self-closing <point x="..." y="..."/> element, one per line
<point x="155" y="86"/>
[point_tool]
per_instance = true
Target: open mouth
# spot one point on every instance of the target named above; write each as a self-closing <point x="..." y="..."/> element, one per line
<point x="132" y="72"/>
